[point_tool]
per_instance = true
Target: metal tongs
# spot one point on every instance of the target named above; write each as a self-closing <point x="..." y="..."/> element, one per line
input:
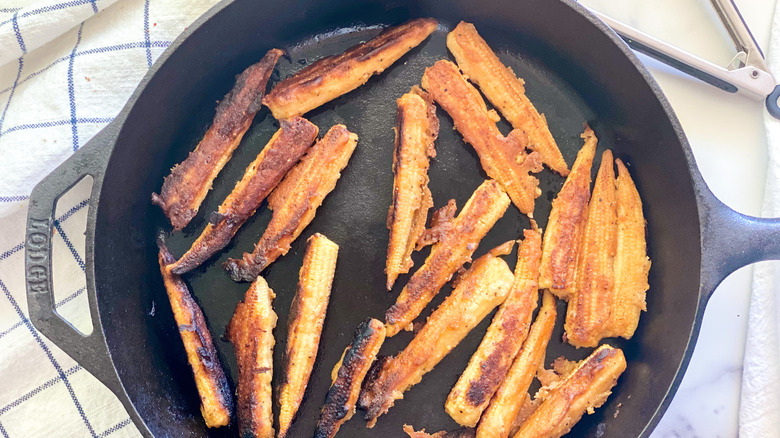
<point x="747" y="73"/>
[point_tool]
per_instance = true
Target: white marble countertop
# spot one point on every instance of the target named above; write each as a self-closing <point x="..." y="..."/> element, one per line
<point x="727" y="135"/>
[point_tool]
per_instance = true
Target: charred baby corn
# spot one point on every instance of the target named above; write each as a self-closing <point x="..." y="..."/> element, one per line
<point x="216" y="401"/>
<point x="505" y="91"/>
<point x="307" y="314"/>
<point x="453" y="249"/>
<point x="503" y="158"/>
<point x="584" y="389"/>
<point x="589" y="310"/>
<point x="189" y="182"/>
<point x="355" y="363"/>
<point x="460" y="433"/>
<point x="295" y="201"/>
<point x="497" y="420"/>
<point x="281" y="153"/>
<point x="333" y="76"/>
<point x="416" y="129"/>
<point x="251" y="333"/>
<point x="483" y="287"/>
<point x="631" y="262"/>
<point x="563" y="236"/>
<point x="489" y="364"/>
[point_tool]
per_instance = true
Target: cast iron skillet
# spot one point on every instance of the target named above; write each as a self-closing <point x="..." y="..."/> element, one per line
<point x="576" y="70"/>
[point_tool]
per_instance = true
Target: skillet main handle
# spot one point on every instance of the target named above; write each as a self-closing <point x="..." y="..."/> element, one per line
<point x="731" y="240"/>
<point x="90" y="351"/>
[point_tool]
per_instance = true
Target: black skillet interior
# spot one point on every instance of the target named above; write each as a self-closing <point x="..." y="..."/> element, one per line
<point x="574" y="74"/>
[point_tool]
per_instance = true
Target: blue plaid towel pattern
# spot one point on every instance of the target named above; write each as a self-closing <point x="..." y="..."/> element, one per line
<point x="66" y="69"/>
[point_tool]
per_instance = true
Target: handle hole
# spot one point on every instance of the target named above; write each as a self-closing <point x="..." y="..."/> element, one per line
<point x="68" y="262"/>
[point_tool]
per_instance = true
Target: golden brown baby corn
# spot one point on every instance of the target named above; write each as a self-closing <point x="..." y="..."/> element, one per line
<point x="216" y="400"/>
<point x="631" y="262"/>
<point x="189" y="182"/>
<point x="352" y="369"/>
<point x="416" y="129"/>
<point x="585" y="389"/>
<point x="251" y="333"/>
<point x="563" y="236"/>
<point x="497" y="420"/>
<point x="307" y="314"/>
<point x="589" y="310"/>
<point x="295" y="201"/>
<point x="282" y="152"/>
<point x="503" y="158"/>
<point x="489" y="364"/>
<point x="453" y="249"/>
<point x="505" y="91"/>
<point x="483" y="287"/>
<point x="333" y="76"/>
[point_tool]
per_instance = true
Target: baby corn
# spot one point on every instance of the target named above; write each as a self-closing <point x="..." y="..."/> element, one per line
<point x="483" y="287"/>
<point x="295" y="201"/>
<point x="489" y="364"/>
<point x="282" y="152"/>
<point x="333" y="76"/>
<point x="416" y="129"/>
<point x="352" y="369"/>
<point x="505" y="405"/>
<point x="453" y="249"/>
<point x="505" y="91"/>
<point x="563" y="236"/>
<point x="307" y="314"/>
<point x="216" y="401"/>
<point x="189" y="182"/>
<point x="251" y="333"/>
<point x="589" y="310"/>
<point x="584" y="389"/>
<point x="631" y="262"/>
<point x="503" y="158"/>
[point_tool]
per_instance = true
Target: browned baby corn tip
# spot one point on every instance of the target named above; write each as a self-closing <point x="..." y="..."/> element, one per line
<point x="354" y="365"/>
<point x="334" y="76"/>
<point x="251" y="333"/>
<point x="631" y="262"/>
<point x="295" y="201"/>
<point x="189" y="182"/>
<point x="489" y="364"/>
<point x="503" y="158"/>
<point x="216" y="401"/>
<point x="498" y="418"/>
<point x="416" y="129"/>
<point x="281" y="153"/>
<point x="307" y="315"/>
<point x="563" y="236"/>
<point x="585" y="389"/>
<point x="589" y="310"/>
<point x="453" y="249"/>
<point x="483" y="287"/>
<point x="505" y="91"/>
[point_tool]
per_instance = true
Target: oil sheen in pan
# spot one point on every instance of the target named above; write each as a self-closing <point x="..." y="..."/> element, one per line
<point x="354" y="216"/>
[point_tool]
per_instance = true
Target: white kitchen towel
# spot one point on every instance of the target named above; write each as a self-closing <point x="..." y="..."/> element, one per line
<point x="66" y="69"/>
<point x="759" y="410"/>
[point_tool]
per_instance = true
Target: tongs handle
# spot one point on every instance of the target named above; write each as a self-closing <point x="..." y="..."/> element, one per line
<point x="750" y="78"/>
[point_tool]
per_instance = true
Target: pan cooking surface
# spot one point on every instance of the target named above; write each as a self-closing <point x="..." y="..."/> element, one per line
<point x="573" y="75"/>
<point x="354" y="216"/>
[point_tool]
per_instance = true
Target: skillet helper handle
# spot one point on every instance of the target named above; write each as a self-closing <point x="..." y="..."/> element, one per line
<point x="90" y="351"/>
<point x="732" y="240"/>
